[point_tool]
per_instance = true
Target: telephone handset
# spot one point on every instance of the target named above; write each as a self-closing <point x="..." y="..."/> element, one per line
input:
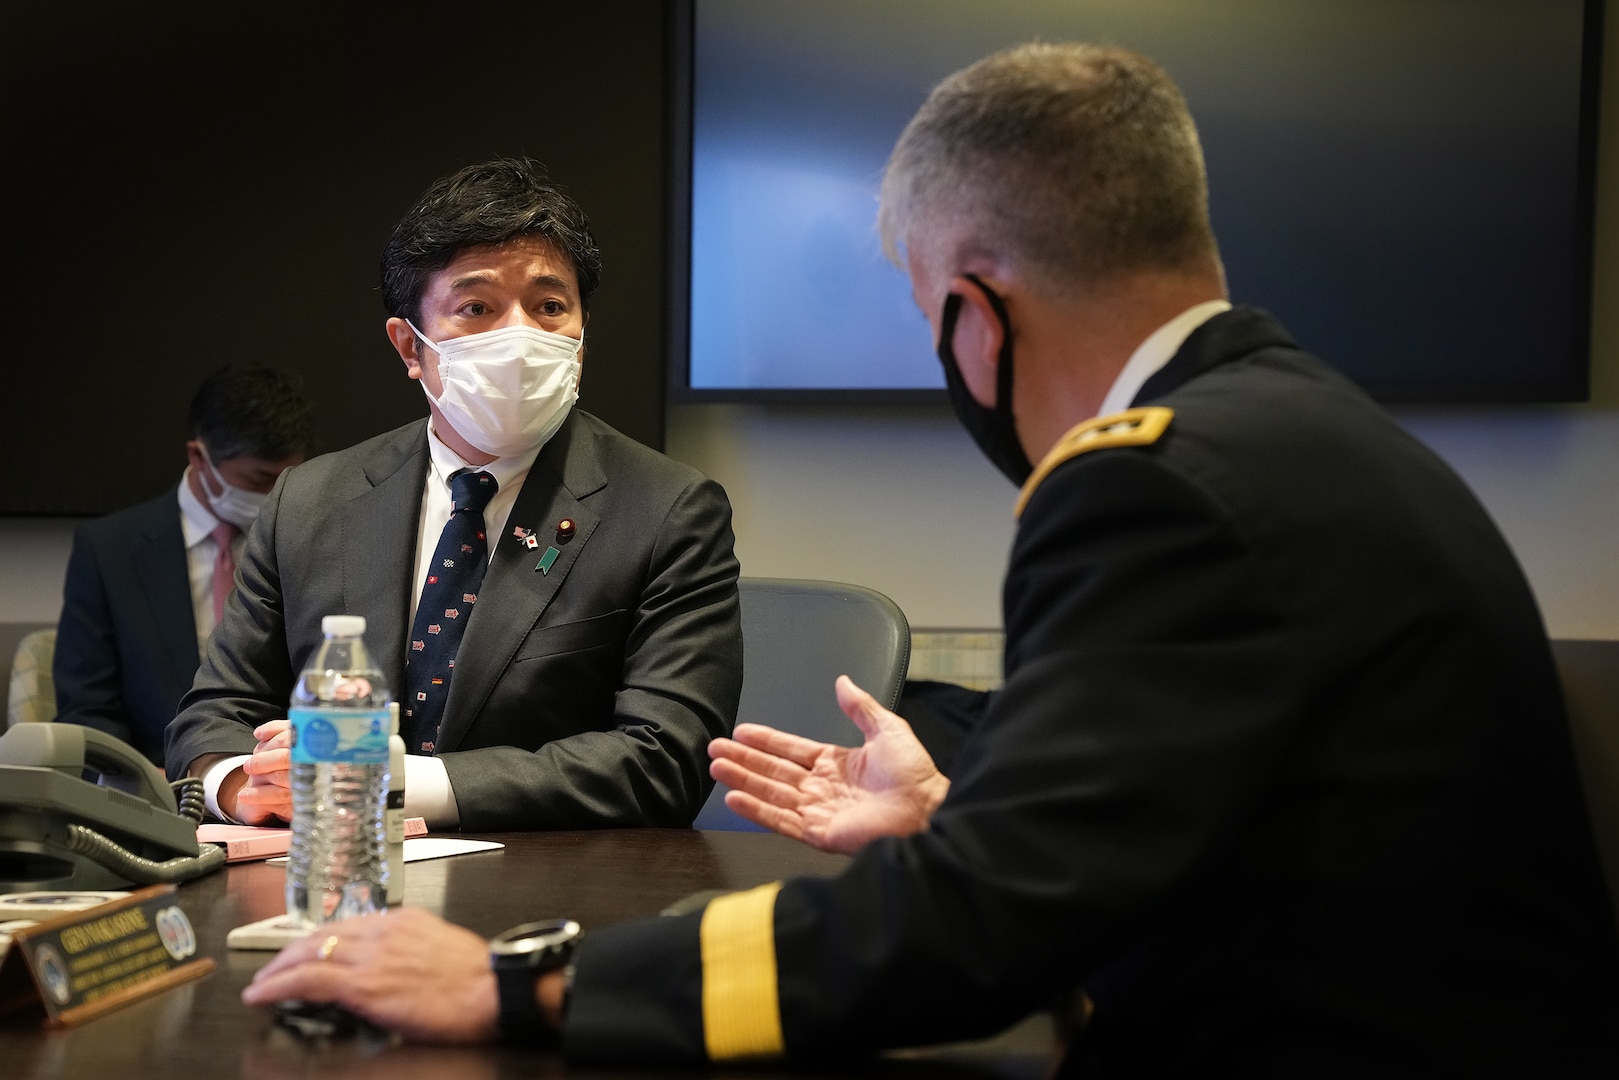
<point x="59" y="831"/>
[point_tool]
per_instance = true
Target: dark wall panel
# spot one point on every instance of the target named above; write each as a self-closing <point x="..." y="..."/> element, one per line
<point x="191" y="183"/>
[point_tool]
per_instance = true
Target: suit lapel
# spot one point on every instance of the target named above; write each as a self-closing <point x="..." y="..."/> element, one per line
<point x="515" y="592"/>
<point x="379" y="548"/>
<point x="157" y="554"/>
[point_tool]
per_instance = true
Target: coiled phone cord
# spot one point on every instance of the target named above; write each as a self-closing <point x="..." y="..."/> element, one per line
<point x="188" y="794"/>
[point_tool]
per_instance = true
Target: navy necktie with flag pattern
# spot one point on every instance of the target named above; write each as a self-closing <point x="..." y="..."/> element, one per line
<point x="453" y="579"/>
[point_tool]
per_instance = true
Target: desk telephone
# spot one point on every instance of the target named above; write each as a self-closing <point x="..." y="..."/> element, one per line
<point x="60" y="831"/>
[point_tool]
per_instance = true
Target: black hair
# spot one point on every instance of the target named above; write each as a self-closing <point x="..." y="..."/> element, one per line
<point x="489" y="203"/>
<point x="252" y="410"/>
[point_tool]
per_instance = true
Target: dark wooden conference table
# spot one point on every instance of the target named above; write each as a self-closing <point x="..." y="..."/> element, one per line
<point x="201" y="1029"/>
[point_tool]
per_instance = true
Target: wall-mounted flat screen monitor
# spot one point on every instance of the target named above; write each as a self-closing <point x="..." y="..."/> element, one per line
<point x="1407" y="185"/>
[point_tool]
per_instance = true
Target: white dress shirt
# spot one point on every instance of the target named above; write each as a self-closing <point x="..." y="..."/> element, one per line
<point x="197" y="524"/>
<point x="428" y="793"/>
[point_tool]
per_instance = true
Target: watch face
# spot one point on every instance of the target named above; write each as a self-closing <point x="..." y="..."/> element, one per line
<point x="536" y="943"/>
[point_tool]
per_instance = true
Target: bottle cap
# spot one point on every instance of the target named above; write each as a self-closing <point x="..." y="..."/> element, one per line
<point x="343" y="625"/>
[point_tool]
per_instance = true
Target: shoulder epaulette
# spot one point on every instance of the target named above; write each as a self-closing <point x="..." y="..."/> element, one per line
<point x="1133" y="427"/>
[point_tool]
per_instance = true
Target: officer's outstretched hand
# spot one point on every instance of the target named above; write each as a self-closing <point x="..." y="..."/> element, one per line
<point x="407" y="971"/>
<point x="836" y="798"/>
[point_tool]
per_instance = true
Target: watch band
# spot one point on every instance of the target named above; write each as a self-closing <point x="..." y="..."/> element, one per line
<point x="519" y="957"/>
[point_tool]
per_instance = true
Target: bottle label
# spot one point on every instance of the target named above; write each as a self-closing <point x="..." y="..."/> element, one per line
<point x="339" y="736"/>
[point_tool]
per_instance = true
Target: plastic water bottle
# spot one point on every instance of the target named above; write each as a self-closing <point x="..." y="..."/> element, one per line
<point x="336" y="867"/>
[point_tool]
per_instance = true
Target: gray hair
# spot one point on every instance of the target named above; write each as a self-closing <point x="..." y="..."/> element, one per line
<point x="1076" y="162"/>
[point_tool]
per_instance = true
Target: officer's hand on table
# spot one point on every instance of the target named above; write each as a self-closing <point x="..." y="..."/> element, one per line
<point x="835" y="798"/>
<point x="407" y="971"/>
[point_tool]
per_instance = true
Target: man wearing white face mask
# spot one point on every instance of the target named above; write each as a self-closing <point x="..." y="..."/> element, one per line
<point x="145" y="585"/>
<point x="575" y="676"/>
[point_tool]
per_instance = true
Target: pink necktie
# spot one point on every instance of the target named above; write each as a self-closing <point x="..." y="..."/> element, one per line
<point x="224" y="566"/>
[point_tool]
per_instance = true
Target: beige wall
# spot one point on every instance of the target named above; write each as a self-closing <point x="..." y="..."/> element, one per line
<point x="898" y="499"/>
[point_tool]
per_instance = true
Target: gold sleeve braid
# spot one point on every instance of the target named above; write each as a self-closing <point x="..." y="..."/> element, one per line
<point x="741" y="1009"/>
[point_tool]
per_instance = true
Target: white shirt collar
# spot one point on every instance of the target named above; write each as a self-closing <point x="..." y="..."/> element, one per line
<point x="197" y="522"/>
<point x="1151" y="355"/>
<point x="505" y="470"/>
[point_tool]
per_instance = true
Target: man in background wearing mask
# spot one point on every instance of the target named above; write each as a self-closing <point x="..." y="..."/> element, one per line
<point x="145" y="586"/>
<point x="601" y="649"/>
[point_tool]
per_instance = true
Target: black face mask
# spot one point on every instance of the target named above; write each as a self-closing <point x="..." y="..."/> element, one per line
<point x="992" y="429"/>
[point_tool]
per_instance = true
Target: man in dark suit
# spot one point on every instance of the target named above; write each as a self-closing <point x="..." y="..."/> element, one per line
<point x="143" y="584"/>
<point x="1278" y="783"/>
<point x="602" y="647"/>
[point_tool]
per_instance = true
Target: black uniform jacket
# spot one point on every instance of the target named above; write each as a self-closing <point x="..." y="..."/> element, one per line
<point x="585" y="694"/>
<point x="1279" y="777"/>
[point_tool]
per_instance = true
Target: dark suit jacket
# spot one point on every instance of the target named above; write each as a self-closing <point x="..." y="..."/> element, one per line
<point x="941" y="715"/>
<point x="584" y="696"/>
<point x="126" y="643"/>
<point x="1279" y="775"/>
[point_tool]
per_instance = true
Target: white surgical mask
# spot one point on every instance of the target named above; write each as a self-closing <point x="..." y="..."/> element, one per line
<point x="506" y="391"/>
<point x="235" y="505"/>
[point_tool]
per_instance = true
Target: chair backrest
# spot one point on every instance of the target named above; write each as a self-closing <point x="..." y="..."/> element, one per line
<point x="798" y="636"/>
<point x="1590" y="675"/>
<point x="32" y="693"/>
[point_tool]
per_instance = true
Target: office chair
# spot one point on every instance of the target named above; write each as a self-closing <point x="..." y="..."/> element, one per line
<point x="798" y="636"/>
<point x="1589" y="671"/>
<point x="32" y="693"/>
